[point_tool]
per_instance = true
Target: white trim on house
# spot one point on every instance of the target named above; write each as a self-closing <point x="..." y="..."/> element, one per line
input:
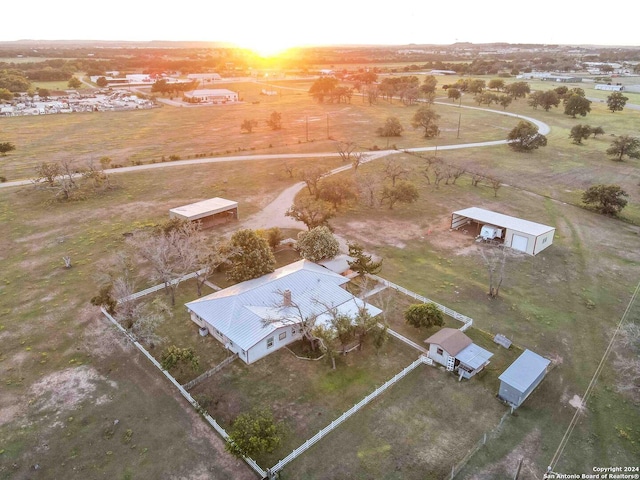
<point x="250" y="317"/>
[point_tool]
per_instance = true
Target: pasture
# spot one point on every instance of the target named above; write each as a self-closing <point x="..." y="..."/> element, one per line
<point x="564" y="303"/>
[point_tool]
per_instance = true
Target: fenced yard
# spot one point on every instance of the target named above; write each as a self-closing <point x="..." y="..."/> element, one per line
<point x="313" y="401"/>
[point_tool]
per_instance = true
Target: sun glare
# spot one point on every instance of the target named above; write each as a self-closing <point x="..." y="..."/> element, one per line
<point x="268" y="47"/>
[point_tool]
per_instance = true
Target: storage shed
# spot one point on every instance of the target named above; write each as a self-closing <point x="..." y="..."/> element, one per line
<point x="208" y="212"/>
<point x="457" y="352"/>
<point x="522" y="377"/>
<point x="523" y="235"/>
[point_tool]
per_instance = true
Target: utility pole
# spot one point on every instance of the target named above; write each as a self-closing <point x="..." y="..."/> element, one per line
<point x="459" y="118"/>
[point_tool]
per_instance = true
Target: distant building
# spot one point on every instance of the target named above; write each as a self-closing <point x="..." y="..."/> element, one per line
<point x="216" y="95"/>
<point x="609" y="87"/>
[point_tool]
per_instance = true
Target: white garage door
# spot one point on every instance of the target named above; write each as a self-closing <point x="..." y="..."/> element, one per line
<point x="519" y="243"/>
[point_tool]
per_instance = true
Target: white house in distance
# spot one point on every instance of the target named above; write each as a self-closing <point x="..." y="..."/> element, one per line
<point x="211" y="95"/>
<point x="523" y="235"/>
<point x="257" y="317"/>
<point x="522" y="377"/>
<point x="208" y="212"/>
<point x="457" y="352"/>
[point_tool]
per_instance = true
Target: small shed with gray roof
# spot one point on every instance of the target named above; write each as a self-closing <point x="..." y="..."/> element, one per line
<point x="522" y="377"/>
<point x="522" y="235"/>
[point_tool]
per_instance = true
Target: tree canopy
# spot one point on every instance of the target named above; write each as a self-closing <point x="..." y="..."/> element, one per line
<point x="317" y="244"/>
<point x="6" y="147"/>
<point x="616" y="102"/>
<point x="253" y="256"/>
<point x="254" y="433"/>
<point x="577" y="105"/>
<point x="391" y="128"/>
<point x="606" y="199"/>
<point x="525" y="137"/>
<point x="624" y="145"/>
<point x="311" y="212"/>
<point x="426" y="119"/>
<point x="579" y="133"/>
<point x="362" y="263"/>
<point x="424" y="315"/>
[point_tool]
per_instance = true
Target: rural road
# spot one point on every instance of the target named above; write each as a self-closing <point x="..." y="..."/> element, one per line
<point x="543" y="128"/>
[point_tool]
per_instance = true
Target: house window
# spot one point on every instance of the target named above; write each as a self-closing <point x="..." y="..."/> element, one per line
<point x="269" y="342"/>
<point x="439" y="351"/>
<point x="282" y="336"/>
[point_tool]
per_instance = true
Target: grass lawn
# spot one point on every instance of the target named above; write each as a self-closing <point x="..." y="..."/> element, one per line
<point x="306" y="395"/>
<point x="417" y="429"/>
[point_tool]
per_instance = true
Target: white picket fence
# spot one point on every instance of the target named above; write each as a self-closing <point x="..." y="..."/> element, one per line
<point x="221" y="431"/>
<point x="155" y="288"/>
<point x="334" y="424"/>
<point x="467" y="321"/>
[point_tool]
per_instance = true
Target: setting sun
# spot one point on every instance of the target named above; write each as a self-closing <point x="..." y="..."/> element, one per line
<point x="267" y="47"/>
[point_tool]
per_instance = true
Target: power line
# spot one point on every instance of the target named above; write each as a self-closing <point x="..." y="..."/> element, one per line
<point x="596" y="374"/>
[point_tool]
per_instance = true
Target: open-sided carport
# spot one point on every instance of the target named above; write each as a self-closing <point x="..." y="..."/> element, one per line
<point x="208" y="212"/>
<point x="523" y="235"/>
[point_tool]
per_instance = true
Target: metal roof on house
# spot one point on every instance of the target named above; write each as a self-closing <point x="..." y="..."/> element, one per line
<point x="500" y="220"/>
<point x="248" y="312"/>
<point x="204" y="208"/>
<point x="474" y="356"/>
<point x="338" y="264"/>
<point x="525" y="370"/>
<point x="450" y="339"/>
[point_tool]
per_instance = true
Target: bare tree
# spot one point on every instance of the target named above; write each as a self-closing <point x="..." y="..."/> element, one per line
<point x="395" y="171"/>
<point x="357" y="158"/>
<point x="345" y="149"/>
<point x="289" y="168"/>
<point x="288" y="312"/>
<point x="57" y="177"/>
<point x="311" y="176"/>
<point x="430" y="164"/>
<point x="169" y="254"/>
<point x="369" y="187"/>
<point x="454" y="173"/>
<point x="495" y="259"/>
<point x="495" y="184"/>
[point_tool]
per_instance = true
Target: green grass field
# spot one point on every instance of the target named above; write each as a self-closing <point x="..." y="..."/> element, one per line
<point x="563" y="303"/>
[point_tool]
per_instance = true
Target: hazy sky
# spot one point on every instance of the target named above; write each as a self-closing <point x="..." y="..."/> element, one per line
<point x="272" y="24"/>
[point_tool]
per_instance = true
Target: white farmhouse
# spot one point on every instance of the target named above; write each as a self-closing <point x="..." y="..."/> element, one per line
<point x="257" y="317"/>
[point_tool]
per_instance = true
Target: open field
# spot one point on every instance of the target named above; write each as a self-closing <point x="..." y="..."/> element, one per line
<point x="564" y="303"/>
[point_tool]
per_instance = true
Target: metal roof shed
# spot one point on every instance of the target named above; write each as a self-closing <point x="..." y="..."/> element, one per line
<point x="208" y="212"/>
<point x="523" y="235"/>
<point x="522" y="377"/>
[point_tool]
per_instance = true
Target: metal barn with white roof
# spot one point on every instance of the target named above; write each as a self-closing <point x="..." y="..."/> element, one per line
<point x="522" y="235"/>
<point x="208" y="212"/>
<point x="522" y="377"/>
